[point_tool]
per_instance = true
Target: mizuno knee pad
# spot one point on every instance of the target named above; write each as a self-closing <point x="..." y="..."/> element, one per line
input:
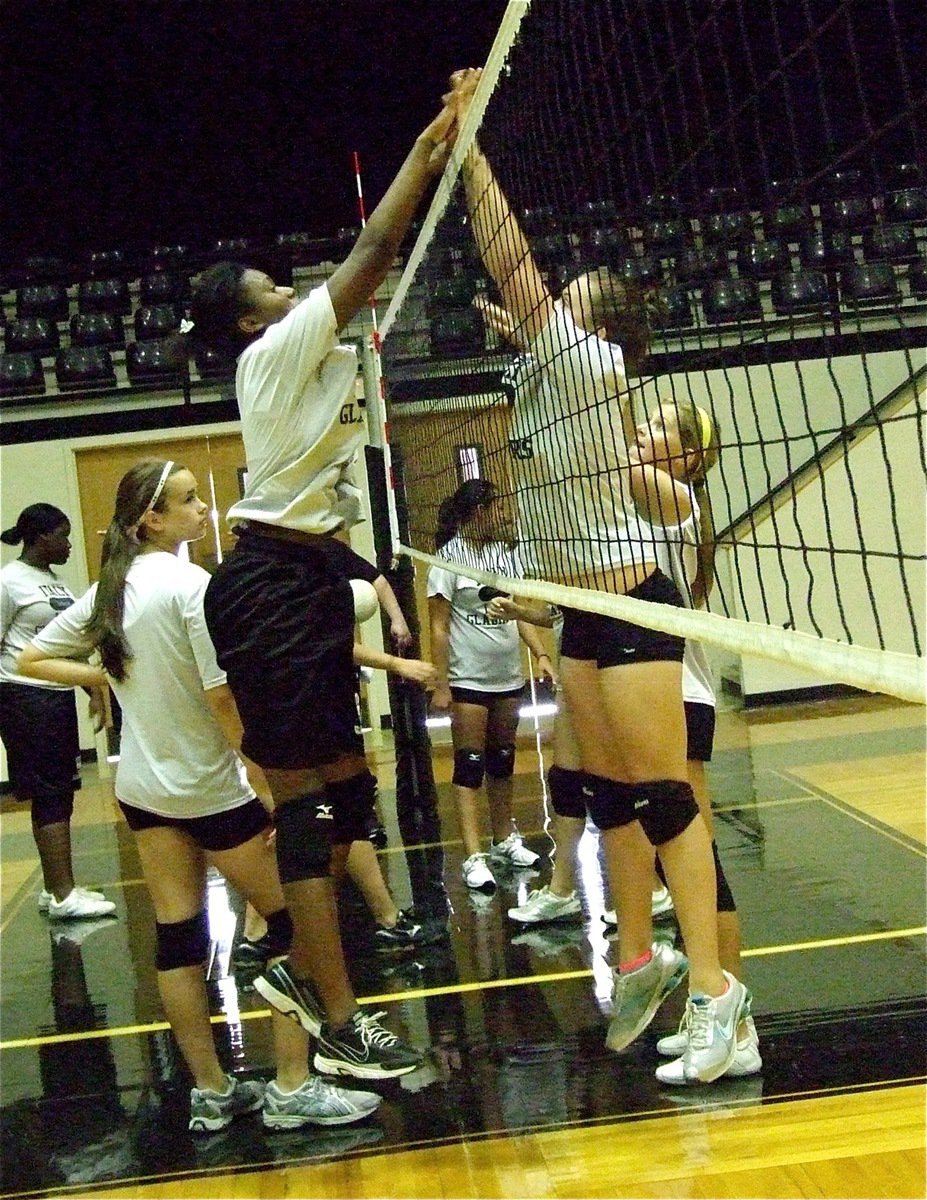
<point x="352" y="802"/>
<point x="568" y="792"/>
<point x="664" y="807"/>
<point x="305" y="826"/>
<point x="468" y="768"/>
<point x="500" y="762"/>
<point x="182" y="943"/>
<point x="611" y="803"/>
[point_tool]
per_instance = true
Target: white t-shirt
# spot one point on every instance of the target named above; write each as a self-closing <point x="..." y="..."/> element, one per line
<point x="29" y="599"/>
<point x="677" y="556"/>
<point x="174" y="758"/>
<point x="567" y="445"/>
<point x="301" y="426"/>
<point x="483" y="654"/>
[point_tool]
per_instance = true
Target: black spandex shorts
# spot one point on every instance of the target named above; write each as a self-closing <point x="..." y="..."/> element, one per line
<point x="281" y="616"/>
<point x="38" y="726"/>
<point x="484" y="699"/>
<point x="611" y="642"/>
<point x="221" y="831"/>
<point x="700" y="731"/>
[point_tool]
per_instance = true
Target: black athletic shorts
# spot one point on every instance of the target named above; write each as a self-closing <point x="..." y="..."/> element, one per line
<point x="38" y="726"/>
<point x="220" y="831"/>
<point x="281" y="617"/>
<point x="615" y="643"/>
<point x="485" y="699"/>
<point x="700" y="731"/>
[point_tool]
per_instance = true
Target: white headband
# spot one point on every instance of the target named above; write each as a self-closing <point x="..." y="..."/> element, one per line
<point x="155" y="496"/>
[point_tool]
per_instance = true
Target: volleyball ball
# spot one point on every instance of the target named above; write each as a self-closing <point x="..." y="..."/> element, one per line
<point x="365" y="599"/>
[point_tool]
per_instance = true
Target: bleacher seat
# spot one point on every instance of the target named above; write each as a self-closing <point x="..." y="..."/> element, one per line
<point x="917" y="279"/>
<point x="787" y="213"/>
<point x="552" y="250"/>
<point x="868" y="283"/>
<point x="21" y="375"/>
<point x="172" y="259"/>
<point x="800" y="292"/>
<point x="163" y="287"/>
<point x="893" y="243"/>
<point x="97" y="329"/>
<point x="104" y="295"/>
<point x="43" y="300"/>
<point x="156" y="321"/>
<point x="907" y="198"/>
<point x="153" y="363"/>
<point x="697" y="266"/>
<point x="595" y="214"/>
<point x="212" y="365"/>
<point x="826" y="250"/>
<point x="763" y="260"/>
<point x="676" y="309"/>
<point x="238" y="249"/>
<point x="46" y="268"/>
<point x="661" y="204"/>
<point x="667" y="236"/>
<point x="728" y="300"/>
<point x="645" y="269"/>
<point x="459" y="331"/>
<point x="451" y="292"/>
<point x="847" y="203"/>
<point x="36" y="335"/>
<point x="724" y="219"/>
<point x="110" y="264"/>
<point x="540" y="221"/>
<point x="80" y="367"/>
<point x="605" y="245"/>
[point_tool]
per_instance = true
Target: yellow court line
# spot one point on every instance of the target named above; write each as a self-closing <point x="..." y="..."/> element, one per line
<point x="452" y="989"/>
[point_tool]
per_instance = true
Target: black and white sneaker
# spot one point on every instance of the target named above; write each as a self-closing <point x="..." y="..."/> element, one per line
<point x="405" y="934"/>
<point x="294" y="997"/>
<point x="365" y="1049"/>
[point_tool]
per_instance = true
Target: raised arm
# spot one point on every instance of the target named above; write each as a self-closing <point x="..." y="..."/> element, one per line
<point x="657" y="496"/>
<point x="365" y="268"/>
<point x="503" y="246"/>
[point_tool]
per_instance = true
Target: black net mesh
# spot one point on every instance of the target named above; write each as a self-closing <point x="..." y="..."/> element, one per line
<point x="747" y="179"/>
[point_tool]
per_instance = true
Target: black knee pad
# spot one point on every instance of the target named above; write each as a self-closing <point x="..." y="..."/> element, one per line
<point x="725" y="898"/>
<point x="611" y="803"/>
<point x="566" y="792"/>
<point x="182" y="943"/>
<point x="468" y="768"/>
<point x="52" y="810"/>
<point x="664" y="807"/>
<point x="352" y="802"/>
<point x="305" y="826"/>
<point x="500" y="762"/>
<point x="279" y="932"/>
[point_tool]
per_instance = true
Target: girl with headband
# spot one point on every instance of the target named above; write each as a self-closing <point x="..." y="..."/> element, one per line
<point x="180" y="784"/>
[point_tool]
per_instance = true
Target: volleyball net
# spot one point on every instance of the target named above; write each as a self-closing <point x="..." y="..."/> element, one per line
<point x="752" y="175"/>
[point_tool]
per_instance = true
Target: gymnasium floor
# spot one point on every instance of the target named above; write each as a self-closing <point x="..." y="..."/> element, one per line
<point x="820" y="822"/>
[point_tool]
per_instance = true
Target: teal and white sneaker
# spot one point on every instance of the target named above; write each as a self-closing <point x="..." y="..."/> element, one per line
<point x="746" y="1061"/>
<point x="637" y="995"/>
<point x="712" y="1023"/>
<point x="210" y="1111"/>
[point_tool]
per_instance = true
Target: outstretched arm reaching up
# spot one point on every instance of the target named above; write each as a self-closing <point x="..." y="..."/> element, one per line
<point x="503" y="246"/>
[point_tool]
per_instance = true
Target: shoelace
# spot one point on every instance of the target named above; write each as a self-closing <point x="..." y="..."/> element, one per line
<point x="700" y="1020"/>
<point x="373" y="1032"/>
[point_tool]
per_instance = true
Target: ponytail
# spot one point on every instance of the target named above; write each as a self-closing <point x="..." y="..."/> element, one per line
<point x="140" y="491"/>
<point x="32" y="522"/>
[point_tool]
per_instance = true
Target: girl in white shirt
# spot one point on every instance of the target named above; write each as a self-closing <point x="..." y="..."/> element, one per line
<point x="38" y="719"/>
<point x="578" y="526"/>
<point x="481" y="681"/>
<point x="180" y="784"/>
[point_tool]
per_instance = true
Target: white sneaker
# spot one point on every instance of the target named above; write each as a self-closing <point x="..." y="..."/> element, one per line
<point x="543" y="905"/>
<point x="712" y="1023"/>
<point x="315" y="1102"/>
<point x="674" y="1044"/>
<point x="77" y="904"/>
<point x="637" y="995"/>
<point x="661" y="903"/>
<point x="477" y="875"/>
<point x="513" y="850"/>
<point x="746" y="1060"/>
<point x="45" y="898"/>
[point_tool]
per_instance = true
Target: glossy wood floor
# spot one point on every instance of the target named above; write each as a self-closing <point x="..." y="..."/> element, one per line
<point x="821" y="828"/>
